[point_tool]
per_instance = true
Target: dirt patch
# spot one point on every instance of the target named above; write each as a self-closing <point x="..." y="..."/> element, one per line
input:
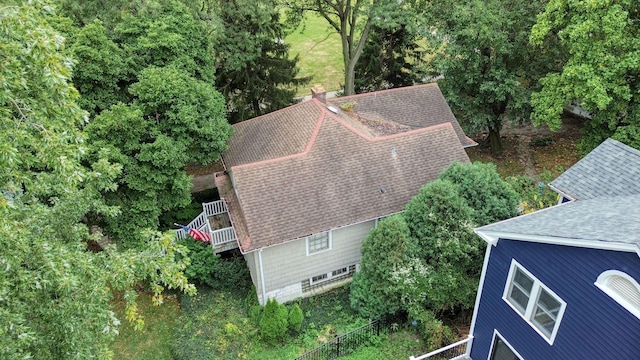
<point x="536" y="152"/>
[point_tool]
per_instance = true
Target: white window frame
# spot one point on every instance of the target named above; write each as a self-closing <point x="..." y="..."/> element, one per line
<point x="603" y="284"/>
<point x="313" y="237"/>
<point x="330" y="275"/>
<point x="493" y="343"/>
<point x="534" y="296"/>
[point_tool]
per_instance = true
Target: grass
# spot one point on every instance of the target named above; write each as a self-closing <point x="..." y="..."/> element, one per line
<point x="215" y="325"/>
<point x="154" y="341"/>
<point x="320" y="54"/>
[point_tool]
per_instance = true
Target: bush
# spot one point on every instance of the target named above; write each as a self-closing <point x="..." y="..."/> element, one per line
<point x="543" y="140"/>
<point x="207" y="268"/>
<point x="433" y="331"/>
<point x="274" y="322"/>
<point x="386" y="247"/>
<point x="295" y="318"/>
<point x="203" y="261"/>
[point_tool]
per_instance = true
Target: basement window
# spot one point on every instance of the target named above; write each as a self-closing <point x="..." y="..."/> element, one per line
<point x="622" y="288"/>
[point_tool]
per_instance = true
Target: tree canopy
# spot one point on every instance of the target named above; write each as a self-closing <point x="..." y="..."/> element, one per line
<point x="353" y="19"/>
<point x="54" y="293"/>
<point x="601" y="71"/>
<point x="254" y="70"/>
<point x="148" y="85"/>
<point x="391" y="58"/>
<point x="488" y="67"/>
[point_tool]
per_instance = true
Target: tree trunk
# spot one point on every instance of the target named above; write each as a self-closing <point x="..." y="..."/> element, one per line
<point x="495" y="142"/>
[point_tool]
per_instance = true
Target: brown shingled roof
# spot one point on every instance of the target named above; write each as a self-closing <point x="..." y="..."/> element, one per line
<point x="329" y="171"/>
<point x="414" y="106"/>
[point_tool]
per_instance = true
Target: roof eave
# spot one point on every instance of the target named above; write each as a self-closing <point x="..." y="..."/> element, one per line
<point x="492" y="237"/>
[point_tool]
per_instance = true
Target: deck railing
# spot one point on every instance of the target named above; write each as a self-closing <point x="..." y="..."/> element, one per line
<point x="222" y="236"/>
<point x="201" y="222"/>
<point x="215" y="208"/>
<point x="456" y="350"/>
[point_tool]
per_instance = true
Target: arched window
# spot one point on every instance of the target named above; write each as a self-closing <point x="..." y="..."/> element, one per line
<point x="622" y="288"/>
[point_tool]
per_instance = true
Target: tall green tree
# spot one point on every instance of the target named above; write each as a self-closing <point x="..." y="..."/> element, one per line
<point x="174" y="120"/>
<point x="488" y="67"/>
<point x="254" y="70"/>
<point x="54" y="294"/>
<point x="100" y="68"/>
<point x="391" y="58"/>
<point x="352" y="19"/>
<point x="148" y="84"/>
<point x="601" y="72"/>
<point x="386" y="248"/>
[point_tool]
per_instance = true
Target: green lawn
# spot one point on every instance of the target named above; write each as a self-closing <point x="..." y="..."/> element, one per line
<point x="320" y="54"/>
<point x="154" y="341"/>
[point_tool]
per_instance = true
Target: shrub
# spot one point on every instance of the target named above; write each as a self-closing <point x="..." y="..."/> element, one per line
<point x="274" y="322"/>
<point x="433" y="331"/>
<point x="203" y="261"/>
<point x="543" y="140"/>
<point x="480" y="185"/>
<point x="386" y="247"/>
<point x="295" y="318"/>
<point x="207" y="268"/>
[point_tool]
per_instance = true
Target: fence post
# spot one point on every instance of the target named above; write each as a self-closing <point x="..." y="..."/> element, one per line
<point x="337" y="346"/>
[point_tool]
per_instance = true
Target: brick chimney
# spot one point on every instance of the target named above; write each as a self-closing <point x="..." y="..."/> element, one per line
<point x="318" y="92"/>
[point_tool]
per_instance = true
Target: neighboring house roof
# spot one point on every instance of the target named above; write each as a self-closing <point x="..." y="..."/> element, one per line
<point x="311" y="167"/>
<point x="605" y="222"/>
<point x="611" y="169"/>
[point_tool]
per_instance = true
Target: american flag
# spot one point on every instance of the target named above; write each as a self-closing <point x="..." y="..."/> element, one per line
<point x="196" y="234"/>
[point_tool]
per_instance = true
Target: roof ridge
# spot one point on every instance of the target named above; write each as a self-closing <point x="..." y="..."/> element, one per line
<point x="324" y="113"/>
<point x="305" y="151"/>
<point x="435" y="83"/>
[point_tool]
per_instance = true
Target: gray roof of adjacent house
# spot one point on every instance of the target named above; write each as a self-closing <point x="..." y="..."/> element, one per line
<point x="611" y="169"/>
<point x="604" y="219"/>
<point x="314" y="167"/>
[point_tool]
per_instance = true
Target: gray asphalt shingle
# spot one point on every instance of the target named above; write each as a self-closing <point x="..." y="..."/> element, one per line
<point x="611" y="169"/>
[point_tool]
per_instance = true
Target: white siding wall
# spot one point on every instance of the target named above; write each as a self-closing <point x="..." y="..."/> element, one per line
<point x="287" y="265"/>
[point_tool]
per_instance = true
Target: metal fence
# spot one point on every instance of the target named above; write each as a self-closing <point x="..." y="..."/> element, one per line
<point x="346" y="344"/>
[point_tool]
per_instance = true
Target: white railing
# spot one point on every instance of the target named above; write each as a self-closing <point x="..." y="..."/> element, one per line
<point x="456" y="350"/>
<point x="215" y="208"/>
<point x="222" y="236"/>
<point x="201" y="222"/>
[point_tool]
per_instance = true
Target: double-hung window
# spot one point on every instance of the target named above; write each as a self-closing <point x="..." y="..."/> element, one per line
<point x="535" y="302"/>
<point x="318" y="242"/>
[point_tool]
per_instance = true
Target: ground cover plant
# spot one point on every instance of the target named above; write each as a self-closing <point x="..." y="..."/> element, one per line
<point x="154" y="341"/>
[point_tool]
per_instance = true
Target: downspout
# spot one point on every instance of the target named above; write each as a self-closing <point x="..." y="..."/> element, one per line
<point x="264" y="291"/>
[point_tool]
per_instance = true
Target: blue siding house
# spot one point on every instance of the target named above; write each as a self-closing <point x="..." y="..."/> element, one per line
<point x="563" y="282"/>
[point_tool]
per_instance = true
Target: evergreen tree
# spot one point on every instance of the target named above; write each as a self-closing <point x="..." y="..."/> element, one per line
<point x="386" y="248"/>
<point x="389" y="59"/>
<point x="255" y="72"/>
<point x="295" y="317"/>
<point x="274" y="322"/>
<point x="480" y="185"/>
